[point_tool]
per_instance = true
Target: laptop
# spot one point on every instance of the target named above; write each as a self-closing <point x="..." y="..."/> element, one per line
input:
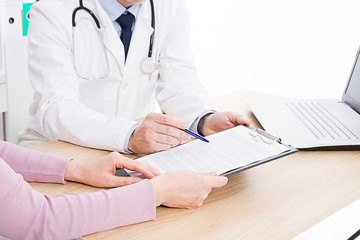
<point x="311" y="124"/>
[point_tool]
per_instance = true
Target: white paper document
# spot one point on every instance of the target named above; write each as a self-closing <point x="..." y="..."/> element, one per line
<point x="228" y="150"/>
<point x="344" y="224"/>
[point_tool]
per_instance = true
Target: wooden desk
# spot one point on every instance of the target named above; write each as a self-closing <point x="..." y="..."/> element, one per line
<point x="277" y="200"/>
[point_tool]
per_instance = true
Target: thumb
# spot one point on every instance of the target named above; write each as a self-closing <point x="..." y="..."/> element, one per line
<point x="218" y="181"/>
<point x="207" y="174"/>
<point x="116" y="181"/>
<point x="237" y="119"/>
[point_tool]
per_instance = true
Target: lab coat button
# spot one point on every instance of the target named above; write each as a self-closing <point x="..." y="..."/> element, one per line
<point x="124" y="86"/>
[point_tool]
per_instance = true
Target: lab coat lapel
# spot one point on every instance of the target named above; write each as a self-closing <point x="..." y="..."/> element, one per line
<point x="140" y="39"/>
<point x="111" y="39"/>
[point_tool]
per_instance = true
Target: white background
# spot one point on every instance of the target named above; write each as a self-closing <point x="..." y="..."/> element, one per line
<point x="295" y="48"/>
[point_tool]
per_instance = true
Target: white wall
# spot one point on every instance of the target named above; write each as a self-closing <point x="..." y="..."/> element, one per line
<point x="296" y="48"/>
<point x="1" y="64"/>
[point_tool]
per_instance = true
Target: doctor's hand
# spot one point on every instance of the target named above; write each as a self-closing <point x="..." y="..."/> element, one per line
<point x="185" y="189"/>
<point x="101" y="172"/>
<point x="158" y="132"/>
<point x="220" y="121"/>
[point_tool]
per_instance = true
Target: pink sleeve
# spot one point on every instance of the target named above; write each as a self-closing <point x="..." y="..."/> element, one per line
<point x="33" y="165"/>
<point x="27" y="214"/>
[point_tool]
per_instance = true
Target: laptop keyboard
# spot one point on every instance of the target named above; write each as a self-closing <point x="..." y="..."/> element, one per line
<point x="320" y="121"/>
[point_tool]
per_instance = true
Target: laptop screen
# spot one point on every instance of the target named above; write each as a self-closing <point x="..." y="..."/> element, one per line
<point x="352" y="92"/>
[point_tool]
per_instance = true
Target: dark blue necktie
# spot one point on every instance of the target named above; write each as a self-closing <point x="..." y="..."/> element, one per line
<point x="126" y="21"/>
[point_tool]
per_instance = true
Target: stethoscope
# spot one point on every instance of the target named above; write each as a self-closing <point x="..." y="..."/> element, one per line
<point x="148" y="64"/>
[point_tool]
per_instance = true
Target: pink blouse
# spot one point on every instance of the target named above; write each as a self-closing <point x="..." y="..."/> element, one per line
<point x="27" y="214"/>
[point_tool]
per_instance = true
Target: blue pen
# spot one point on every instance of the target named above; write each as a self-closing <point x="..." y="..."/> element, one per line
<point x="195" y="135"/>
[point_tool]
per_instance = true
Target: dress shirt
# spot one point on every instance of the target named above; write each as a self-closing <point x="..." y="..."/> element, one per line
<point x="114" y="9"/>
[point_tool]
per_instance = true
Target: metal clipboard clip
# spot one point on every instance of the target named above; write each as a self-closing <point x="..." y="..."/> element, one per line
<point x="264" y="136"/>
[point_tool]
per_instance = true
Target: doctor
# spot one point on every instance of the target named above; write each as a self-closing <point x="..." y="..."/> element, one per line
<point x="96" y="65"/>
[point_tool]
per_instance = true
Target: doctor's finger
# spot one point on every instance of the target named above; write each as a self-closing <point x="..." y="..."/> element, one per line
<point x="237" y="119"/>
<point x="171" y="132"/>
<point x="167" y="120"/>
<point x="156" y="146"/>
<point x="166" y="139"/>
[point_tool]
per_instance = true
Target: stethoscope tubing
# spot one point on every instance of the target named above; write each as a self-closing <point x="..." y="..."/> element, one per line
<point x="82" y="7"/>
<point x="153" y="26"/>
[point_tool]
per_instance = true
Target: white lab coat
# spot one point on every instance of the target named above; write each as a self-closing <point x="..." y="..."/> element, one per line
<point x="100" y="112"/>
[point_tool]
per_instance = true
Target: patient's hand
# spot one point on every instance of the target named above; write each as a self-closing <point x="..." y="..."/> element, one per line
<point x="101" y="172"/>
<point x="185" y="189"/>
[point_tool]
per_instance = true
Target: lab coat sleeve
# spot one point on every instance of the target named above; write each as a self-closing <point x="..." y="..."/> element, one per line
<point x="64" y="216"/>
<point x="179" y="91"/>
<point x="57" y="112"/>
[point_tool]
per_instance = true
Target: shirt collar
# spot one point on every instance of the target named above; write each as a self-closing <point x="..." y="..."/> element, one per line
<point x="114" y="9"/>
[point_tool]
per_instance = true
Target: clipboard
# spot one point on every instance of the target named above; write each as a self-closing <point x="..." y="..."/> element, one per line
<point x="228" y="152"/>
<point x="266" y="138"/>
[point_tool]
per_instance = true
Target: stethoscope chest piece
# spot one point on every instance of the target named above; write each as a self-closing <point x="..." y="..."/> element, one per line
<point x="148" y="65"/>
